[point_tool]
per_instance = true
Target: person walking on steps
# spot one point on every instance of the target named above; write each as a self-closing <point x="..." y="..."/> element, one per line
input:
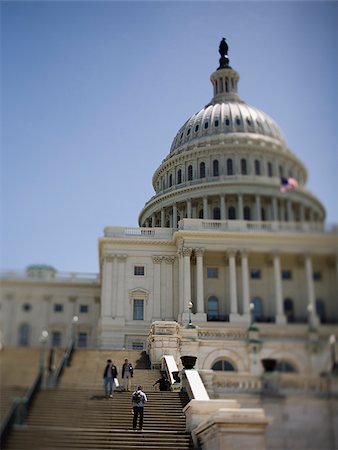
<point x="138" y="400"/>
<point x="127" y="374"/>
<point x="110" y="372"/>
<point x="163" y="382"/>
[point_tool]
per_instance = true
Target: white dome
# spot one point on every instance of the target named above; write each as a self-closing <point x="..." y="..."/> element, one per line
<point x="226" y="118"/>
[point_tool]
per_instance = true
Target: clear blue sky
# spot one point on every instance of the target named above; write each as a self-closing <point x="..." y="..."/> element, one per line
<point x="93" y="94"/>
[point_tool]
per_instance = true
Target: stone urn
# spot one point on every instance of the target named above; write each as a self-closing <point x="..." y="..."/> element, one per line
<point x="188" y="361"/>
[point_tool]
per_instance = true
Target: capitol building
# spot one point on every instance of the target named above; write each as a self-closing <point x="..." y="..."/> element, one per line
<point x="232" y="262"/>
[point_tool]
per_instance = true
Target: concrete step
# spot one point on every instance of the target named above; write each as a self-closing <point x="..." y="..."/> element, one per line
<point x="50" y="437"/>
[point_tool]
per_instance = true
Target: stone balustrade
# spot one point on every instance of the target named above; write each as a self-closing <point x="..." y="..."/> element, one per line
<point x="141" y="233"/>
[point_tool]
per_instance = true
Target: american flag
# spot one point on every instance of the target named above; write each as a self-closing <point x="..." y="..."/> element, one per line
<point x="288" y="184"/>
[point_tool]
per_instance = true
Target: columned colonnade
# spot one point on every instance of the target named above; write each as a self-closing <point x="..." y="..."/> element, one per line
<point x="259" y="207"/>
<point x="185" y="291"/>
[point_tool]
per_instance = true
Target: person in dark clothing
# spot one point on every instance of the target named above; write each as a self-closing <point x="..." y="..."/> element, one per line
<point x="163" y="382"/>
<point x="110" y="372"/>
<point x="127" y="374"/>
<point x="138" y="400"/>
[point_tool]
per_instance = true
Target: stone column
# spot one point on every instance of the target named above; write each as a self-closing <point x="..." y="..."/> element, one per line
<point x="180" y="283"/>
<point x="302" y="212"/>
<point x="157" y="288"/>
<point x="169" y="302"/>
<point x="107" y="286"/>
<point x="186" y="277"/>
<point x="282" y="211"/>
<point x="233" y="286"/>
<point x="240" y="207"/>
<point x="200" y="281"/>
<point x="121" y="285"/>
<point x="310" y="290"/>
<point x="258" y="208"/>
<point x="189" y="209"/>
<point x="153" y="220"/>
<point x="174" y="216"/>
<point x="274" y="209"/>
<point x="222" y="206"/>
<point x="162" y="218"/>
<point x="280" y="316"/>
<point x="205" y="208"/>
<point x="289" y="210"/>
<point x="114" y="296"/>
<point x="245" y="285"/>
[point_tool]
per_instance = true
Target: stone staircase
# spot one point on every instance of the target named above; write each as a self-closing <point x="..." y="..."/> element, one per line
<point x="76" y="414"/>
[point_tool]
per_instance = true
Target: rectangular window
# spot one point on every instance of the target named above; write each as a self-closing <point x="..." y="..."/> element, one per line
<point x="317" y="276"/>
<point x="58" y="307"/>
<point x="138" y="312"/>
<point x="56" y="339"/>
<point x="82" y="339"/>
<point x="83" y="308"/>
<point x="139" y="270"/>
<point x="255" y="274"/>
<point x="286" y="275"/>
<point x="137" y="346"/>
<point x="212" y="272"/>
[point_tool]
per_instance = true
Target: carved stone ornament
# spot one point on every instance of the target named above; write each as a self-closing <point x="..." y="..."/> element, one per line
<point x="109" y="258"/>
<point x="157" y="259"/>
<point x="199" y="251"/>
<point x="169" y="259"/>
<point x="186" y="251"/>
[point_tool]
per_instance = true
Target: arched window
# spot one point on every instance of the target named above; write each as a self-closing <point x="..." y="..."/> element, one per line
<point x="320" y="309"/>
<point x="257" y="167"/>
<point x="202" y="170"/>
<point x="223" y="365"/>
<point x="189" y="173"/>
<point x="200" y="214"/>
<point x="232" y="213"/>
<point x="270" y="171"/>
<point x="216" y="213"/>
<point x="230" y="170"/>
<point x="213" y="312"/>
<point x="257" y="313"/>
<point x="247" y="213"/>
<point x="285" y="366"/>
<point x="289" y="310"/>
<point x="215" y="168"/>
<point x="243" y="166"/>
<point x="179" y="176"/>
<point x="24" y="332"/>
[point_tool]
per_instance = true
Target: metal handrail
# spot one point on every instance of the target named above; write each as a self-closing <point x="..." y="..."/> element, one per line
<point x="54" y="377"/>
<point x="19" y="409"/>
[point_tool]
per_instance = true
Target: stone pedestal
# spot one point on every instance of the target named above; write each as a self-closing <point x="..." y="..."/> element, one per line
<point x="232" y="429"/>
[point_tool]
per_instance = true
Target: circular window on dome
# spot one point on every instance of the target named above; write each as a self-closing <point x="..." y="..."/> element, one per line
<point x="238" y="121"/>
<point x="223" y="365"/>
<point x="206" y="125"/>
<point x="227" y="121"/>
<point x="188" y="132"/>
<point x="216" y="123"/>
<point x="248" y="121"/>
<point x="196" y="128"/>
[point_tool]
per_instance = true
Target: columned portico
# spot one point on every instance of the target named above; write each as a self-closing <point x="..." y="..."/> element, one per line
<point x="157" y="288"/>
<point x="310" y="289"/>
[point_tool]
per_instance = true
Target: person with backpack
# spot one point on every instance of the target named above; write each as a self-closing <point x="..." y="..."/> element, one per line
<point x="110" y="372"/>
<point x="138" y="400"/>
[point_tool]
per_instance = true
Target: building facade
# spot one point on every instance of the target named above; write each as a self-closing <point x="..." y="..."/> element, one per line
<point x="219" y="244"/>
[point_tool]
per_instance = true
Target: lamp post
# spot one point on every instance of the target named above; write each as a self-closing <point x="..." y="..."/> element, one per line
<point x="252" y="307"/>
<point x="43" y="340"/>
<point x="310" y="317"/>
<point x="75" y="320"/>
<point x="332" y="342"/>
<point x="190" y="324"/>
